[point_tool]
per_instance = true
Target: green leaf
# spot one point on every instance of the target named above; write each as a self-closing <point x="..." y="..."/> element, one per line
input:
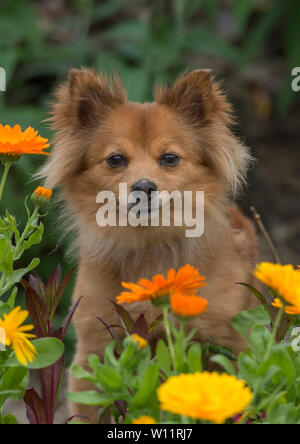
<point x="127" y="30"/>
<point x="213" y="349"/>
<point x="148" y="385"/>
<point x="242" y="10"/>
<point x="91" y="397"/>
<point x="6" y="255"/>
<point x="225" y="363"/>
<point x="200" y="39"/>
<point x="4" y="309"/>
<point x="247" y="368"/>
<point x="108" y="378"/>
<point x="12" y="298"/>
<point x="128" y="352"/>
<point x="194" y="357"/>
<point x="279" y="413"/>
<point x="163" y="357"/>
<point x="79" y="373"/>
<point x="94" y="362"/>
<point x="280" y="358"/>
<point x="109" y="355"/>
<point x="16" y="276"/>
<point x="260" y="337"/>
<point x="8" y="419"/>
<point x="34" y="238"/>
<point x="14" y="380"/>
<point x="258" y="295"/>
<point x="261" y="30"/>
<point x="49" y="350"/>
<point x="246" y="320"/>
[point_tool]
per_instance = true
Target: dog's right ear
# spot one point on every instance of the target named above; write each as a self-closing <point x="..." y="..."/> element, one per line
<point x="82" y="102"/>
<point x="85" y="99"/>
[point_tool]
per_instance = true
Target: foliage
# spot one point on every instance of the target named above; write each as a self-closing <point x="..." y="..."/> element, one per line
<point x="127" y="381"/>
<point x="19" y="355"/>
<point x="42" y="301"/>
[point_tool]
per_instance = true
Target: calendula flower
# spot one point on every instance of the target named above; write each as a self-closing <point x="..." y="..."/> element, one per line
<point x="186" y="281"/>
<point x="141" y="342"/>
<point x="205" y="396"/>
<point x="14" y="142"/>
<point x="284" y="280"/>
<point x="144" y="419"/>
<point x="16" y="337"/>
<point x="187" y="306"/>
<point x="41" y="195"/>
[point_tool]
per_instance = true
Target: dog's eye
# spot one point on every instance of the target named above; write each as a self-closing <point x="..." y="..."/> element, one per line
<point x="169" y="159"/>
<point x="117" y="160"/>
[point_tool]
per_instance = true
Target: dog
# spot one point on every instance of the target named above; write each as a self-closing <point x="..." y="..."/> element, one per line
<point x="183" y="140"/>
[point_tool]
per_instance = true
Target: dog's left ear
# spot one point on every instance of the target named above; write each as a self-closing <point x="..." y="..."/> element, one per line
<point x="195" y="96"/>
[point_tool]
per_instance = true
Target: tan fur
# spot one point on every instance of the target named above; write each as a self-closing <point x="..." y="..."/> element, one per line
<point x="191" y="118"/>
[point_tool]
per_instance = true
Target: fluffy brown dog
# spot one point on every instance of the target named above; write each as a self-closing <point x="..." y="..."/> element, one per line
<point x="182" y="141"/>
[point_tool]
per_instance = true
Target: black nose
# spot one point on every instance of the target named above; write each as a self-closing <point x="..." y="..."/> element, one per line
<point x="144" y="185"/>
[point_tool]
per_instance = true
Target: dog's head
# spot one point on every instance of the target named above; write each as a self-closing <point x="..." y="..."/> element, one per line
<point x="182" y="141"/>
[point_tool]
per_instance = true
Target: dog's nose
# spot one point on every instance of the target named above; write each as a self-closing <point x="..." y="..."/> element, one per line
<point x="144" y="185"/>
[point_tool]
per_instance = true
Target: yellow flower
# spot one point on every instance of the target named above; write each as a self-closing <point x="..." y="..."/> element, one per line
<point x="187" y="306"/>
<point x="16" y="337"/>
<point x="186" y="281"/>
<point x="206" y="396"/>
<point x="141" y="342"/>
<point x="144" y="419"/>
<point x="283" y="279"/>
<point x="14" y="142"/>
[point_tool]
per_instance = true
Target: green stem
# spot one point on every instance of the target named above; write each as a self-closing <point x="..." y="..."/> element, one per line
<point x="165" y="311"/>
<point x="274" y="332"/>
<point x="27" y="229"/>
<point x="7" y="166"/>
<point x="25" y="234"/>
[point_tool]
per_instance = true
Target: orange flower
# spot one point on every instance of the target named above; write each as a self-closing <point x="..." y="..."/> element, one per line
<point x="41" y="196"/>
<point x="187" y="307"/>
<point x="284" y="280"/>
<point x="14" y="142"/>
<point x="45" y="193"/>
<point x="186" y="281"/>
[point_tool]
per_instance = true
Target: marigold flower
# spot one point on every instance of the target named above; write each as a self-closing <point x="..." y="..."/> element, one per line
<point x="206" y="396"/>
<point x="187" y="306"/>
<point x="16" y="337"/>
<point x="141" y="342"/>
<point x="283" y="279"/>
<point x="186" y="281"/>
<point x="144" y="419"/>
<point x="14" y="142"/>
<point x="41" y="195"/>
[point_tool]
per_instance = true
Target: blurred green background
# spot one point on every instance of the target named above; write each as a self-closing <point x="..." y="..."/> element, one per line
<point x="252" y="44"/>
